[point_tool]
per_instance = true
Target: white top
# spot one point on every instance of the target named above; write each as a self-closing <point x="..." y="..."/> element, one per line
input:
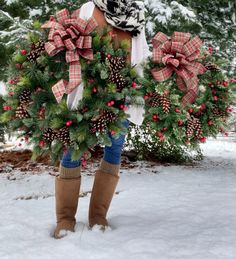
<point x="140" y="52"/>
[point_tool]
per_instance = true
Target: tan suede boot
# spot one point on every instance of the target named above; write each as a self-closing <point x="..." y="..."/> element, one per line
<point x="103" y="190"/>
<point x="67" y="195"/>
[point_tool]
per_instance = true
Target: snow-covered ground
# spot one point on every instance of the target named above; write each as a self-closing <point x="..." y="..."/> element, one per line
<point x="159" y="212"/>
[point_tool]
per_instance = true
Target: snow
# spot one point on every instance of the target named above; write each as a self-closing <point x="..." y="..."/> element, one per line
<point x="164" y="212"/>
<point x="184" y="10"/>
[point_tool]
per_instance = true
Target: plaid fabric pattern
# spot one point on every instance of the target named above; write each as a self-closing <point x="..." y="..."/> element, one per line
<point x="62" y="15"/>
<point x="58" y="42"/>
<point x="91" y="25"/>
<point x="192" y="46"/>
<point x="59" y="89"/>
<point x="71" y="33"/>
<point x="162" y="74"/>
<point x="75" y="77"/>
<point x="77" y="43"/>
<point x="180" y="37"/>
<point x="69" y="44"/>
<point x="178" y="55"/>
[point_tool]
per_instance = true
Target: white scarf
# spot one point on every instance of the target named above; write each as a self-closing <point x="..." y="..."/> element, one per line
<point x="127" y="15"/>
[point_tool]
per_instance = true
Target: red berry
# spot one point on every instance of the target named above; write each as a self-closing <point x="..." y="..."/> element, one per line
<point x="18" y="66"/>
<point x="203" y="139"/>
<point x="210" y="50"/>
<point x="95" y="90"/>
<point x="232" y="80"/>
<point x="164" y="129"/>
<point x="230" y="109"/>
<point x="215" y="98"/>
<point x="210" y="123"/>
<point x="203" y="106"/>
<point x="180" y="123"/>
<point x="146" y="97"/>
<point x="88" y="62"/>
<point x="177" y="110"/>
<point x="69" y="123"/>
<point x="134" y="84"/>
<point x="23" y="52"/>
<point x="162" y="139"/>
<point x="113" y="133"/>
<point x="11" y="82"/>
<point x="108" y="56"/>
<point x="41" y="143"/>
<point x="225" y="83"/>
<point x="11" y="93"/>
<point x="6" y="108"/>
<point x="190" y="110"/>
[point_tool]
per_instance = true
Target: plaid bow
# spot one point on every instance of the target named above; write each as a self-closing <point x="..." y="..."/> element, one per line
<point x="178" y="55"/>
<point x="70" y="34"/>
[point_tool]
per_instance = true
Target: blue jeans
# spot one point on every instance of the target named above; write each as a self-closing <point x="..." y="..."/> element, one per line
<point x="112" y="154"/>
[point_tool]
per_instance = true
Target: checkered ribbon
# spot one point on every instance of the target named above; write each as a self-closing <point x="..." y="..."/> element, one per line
<point x="70" y="34"/>
<point x="179" y="55"/>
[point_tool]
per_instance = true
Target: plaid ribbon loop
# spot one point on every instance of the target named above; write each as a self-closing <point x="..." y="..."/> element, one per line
<point x="178" y="55"/>
<point x="70" y="34"/>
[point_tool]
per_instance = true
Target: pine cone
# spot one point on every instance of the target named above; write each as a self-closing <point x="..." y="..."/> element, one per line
<point x="217" y="113"/>
<point x="194" y="128"/>
<point x="117" y="79"/>
<point x="165" y="103"/>
<point x="117" y="63"/>
<point x="24" y="97"/>
<point x="211" y="66"/>
<point x="63" y="135"/>
<point x="155" y="100"/>
<point x="21" y="112"/>
<point x="99" y="123"/>
<point x="190" y="127"/>
<point x="37" y="49"/>
<point x="49" y="135"/>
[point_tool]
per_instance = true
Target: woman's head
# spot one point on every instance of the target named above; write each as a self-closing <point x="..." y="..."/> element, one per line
<point x="127" y="15"/>
<point x="120" y="6"/>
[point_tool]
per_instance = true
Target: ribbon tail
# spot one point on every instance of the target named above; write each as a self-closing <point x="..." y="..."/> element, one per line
<point x="192" y="91"/>
<point x="74" y="75"/>
<point x="59" y="89"/>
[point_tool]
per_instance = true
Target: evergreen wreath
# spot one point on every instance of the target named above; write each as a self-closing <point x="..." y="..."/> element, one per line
<point x="188" y="96"/>
<point x="44" y="121"/>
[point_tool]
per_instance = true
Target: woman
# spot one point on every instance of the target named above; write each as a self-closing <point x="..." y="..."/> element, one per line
<point x="127" y="20"/>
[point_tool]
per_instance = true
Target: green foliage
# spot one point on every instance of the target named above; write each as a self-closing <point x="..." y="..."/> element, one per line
<point x="148" y="146"/>
<point x="190" y="123"/>
<point x="2" y="124"/>
<point x="34" y="112"/>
